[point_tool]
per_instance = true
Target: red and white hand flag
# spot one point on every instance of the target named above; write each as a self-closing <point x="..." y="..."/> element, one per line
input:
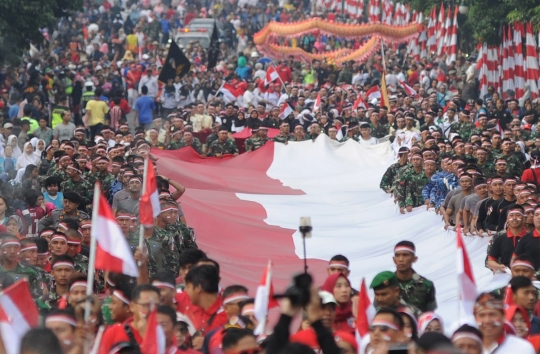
<point x="408" y="89"/>
<point x="271" y="75"/>
<point x="366" y="312"/>
<point x="149" y="205"/>
<point x="317" y="103"/>
<point x="466" y="284"/>
<point x="18" y="314"/>
<point x="359" y="102"/>
<point x="112" y="253"/>
<point x="373" y="93"/>
<point x="154" y="338"/>
<point x="264" y="299"/>
<point x="286" y="109"/>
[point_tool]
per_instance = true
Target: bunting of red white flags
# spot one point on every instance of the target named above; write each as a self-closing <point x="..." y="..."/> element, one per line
<point x="483" y="70"/>
<point x="374" y="11"/>
<point x="354" y="8"/>
<point x="493" y="78"/>
<point x="432" y="31"/>
<point x="451" y="49"/>
<point x="507" y="62"/>
<point x="532" y="73"/>
<point x="447" y="29"/>
<point x="440" y="31"/>
<point x="519" y="72"/>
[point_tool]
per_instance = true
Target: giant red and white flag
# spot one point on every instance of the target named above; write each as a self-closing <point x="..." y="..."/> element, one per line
<point x="359" y="102"/>
<point x="271" y="75"/>
<point x="18" y="314"/>
<point x="154" y="337"/>
<point x="285" y="111"/>
<point x="254" y="201"/>
<point x="149" y="205"/>
<point x="468" y="291"/>
<point x="113" y="253"/>
<point x="264" y="299"/>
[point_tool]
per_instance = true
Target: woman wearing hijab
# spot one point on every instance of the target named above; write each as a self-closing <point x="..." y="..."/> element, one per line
<point x="338" y="285"/>
<point x="430" y="322"/>
<point x="39" y="147"/>
<point x="519" y="317"/>
<point x="14" y="143"/>
<point x="27" y="158"/>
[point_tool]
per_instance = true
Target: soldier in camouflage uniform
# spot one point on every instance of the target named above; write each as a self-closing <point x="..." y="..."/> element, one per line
<point x="387" y="181"/>
<point x="248" y="143"/>
<point x="515" y="166"/>
<point x="486" y="167"/>
<point x="378" y="130"/>
<point x="352" y="132"/>
<point x="75" y="183"/>
<point x="176" y="140"/>
<point x="223" y="146"/>
<point x="415" y="290"/>
<point x="60" y="169"/>
<point x="74" y="243"/>
<point x="410" y="184"/>
<point x="71" y="202"/>
<point x="213" y="136"/>
<point x="9" y="265"/>
<point x="386" y="286"/>
<point x="189" y="140"/>
<point x="62" y="269"/>
<point x="104" y="176"/>
<point x="284" y="134"/>
<point x="464" y="127"/>
<point x="259" y="141"/>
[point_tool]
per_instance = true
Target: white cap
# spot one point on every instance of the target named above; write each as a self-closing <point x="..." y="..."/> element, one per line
<point x="327" y="297"/>
<point x="99" y="67"/>
<point x="254" y="55"/>
<point x="88" y="84"/>
<point x="145" y="56"/>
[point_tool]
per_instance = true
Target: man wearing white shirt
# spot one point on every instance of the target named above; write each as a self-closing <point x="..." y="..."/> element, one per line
<point x="490" y="317"/>
<point x="250" y="96"/>
<point x="150" y="81"/>
<point x="365" y="137"/>
<point x="272" y="96"/>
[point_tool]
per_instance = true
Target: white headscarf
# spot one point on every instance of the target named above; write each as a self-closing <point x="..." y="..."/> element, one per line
<point x="16" y="149"/>
<point x="521" y="145"/>
<point x="35" y="144"/>
<point x="26" y="158"/>
<point x="20" y="175"/>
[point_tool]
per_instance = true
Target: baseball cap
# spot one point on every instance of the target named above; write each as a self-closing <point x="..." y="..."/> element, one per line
<point x="8" y="125"/>
<point x="327" y="297"/>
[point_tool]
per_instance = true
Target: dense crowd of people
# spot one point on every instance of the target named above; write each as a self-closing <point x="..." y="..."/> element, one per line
<point x="86" y="105"/>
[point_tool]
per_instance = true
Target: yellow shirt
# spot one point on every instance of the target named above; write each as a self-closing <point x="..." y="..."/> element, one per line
<point x="97" y="109"/>
<point x="132" y="42"/>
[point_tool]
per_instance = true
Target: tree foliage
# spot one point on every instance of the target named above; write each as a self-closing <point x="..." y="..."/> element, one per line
<point x="21" y="21"/>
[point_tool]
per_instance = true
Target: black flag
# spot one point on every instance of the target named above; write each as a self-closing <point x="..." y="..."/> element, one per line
<point x="213" y="50"/>
<point x="176" y="63"/>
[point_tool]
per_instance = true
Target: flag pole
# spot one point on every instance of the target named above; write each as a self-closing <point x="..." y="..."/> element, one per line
<point x="141" y="227"/>
<point x="268" y="282"/>
<point x="92" y="255"/>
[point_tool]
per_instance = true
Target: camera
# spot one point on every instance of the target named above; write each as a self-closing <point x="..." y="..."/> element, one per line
<point x="300" y="292"/>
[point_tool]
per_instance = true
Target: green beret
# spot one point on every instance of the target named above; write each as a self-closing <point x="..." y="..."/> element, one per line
<point x="384" y="280"/>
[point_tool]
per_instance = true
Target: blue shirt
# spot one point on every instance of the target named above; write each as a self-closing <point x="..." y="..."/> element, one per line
<point x="58" y="202"/>
<point x="13" y="111"/>
<point x="145" y="106"/>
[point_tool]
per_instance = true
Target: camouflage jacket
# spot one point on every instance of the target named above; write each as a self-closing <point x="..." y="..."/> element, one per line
<point x="413" y="309"/>
<point x="380" y="131"/>
<point x="226" y="148"/>
<point x="81" y="263"/>
<point x="57" y="216"/>
<point x="515" y="166"/>
<point x="196" y="145"/>
<point x="387" y="181"/>
<point x="409" y="188"/>
<point x="81" y="187"/>
<point x="38" y="284"/>
<point x="418" y="292"/>
<point x="345" y="138"/>
<point x="183" y="236"/>
<point x="282" y="138"/>
<point x="211" y="138"/>
<point x="253" y="144"/>
<point x="464" y="129"/>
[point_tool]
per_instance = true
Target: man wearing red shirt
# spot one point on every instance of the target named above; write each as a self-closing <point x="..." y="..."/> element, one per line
<point x="202" y="306"/>
<point x="133" y="77"/>
<point x="284" y="72"/>
<point x="142" y="298"/>
<point x="124" y="105"/>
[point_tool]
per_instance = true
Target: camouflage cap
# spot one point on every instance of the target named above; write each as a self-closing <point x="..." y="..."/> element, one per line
<point x="383" y="280"/>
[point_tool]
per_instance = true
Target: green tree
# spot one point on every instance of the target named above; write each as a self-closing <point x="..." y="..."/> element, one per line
<point x="21" y="21"/>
